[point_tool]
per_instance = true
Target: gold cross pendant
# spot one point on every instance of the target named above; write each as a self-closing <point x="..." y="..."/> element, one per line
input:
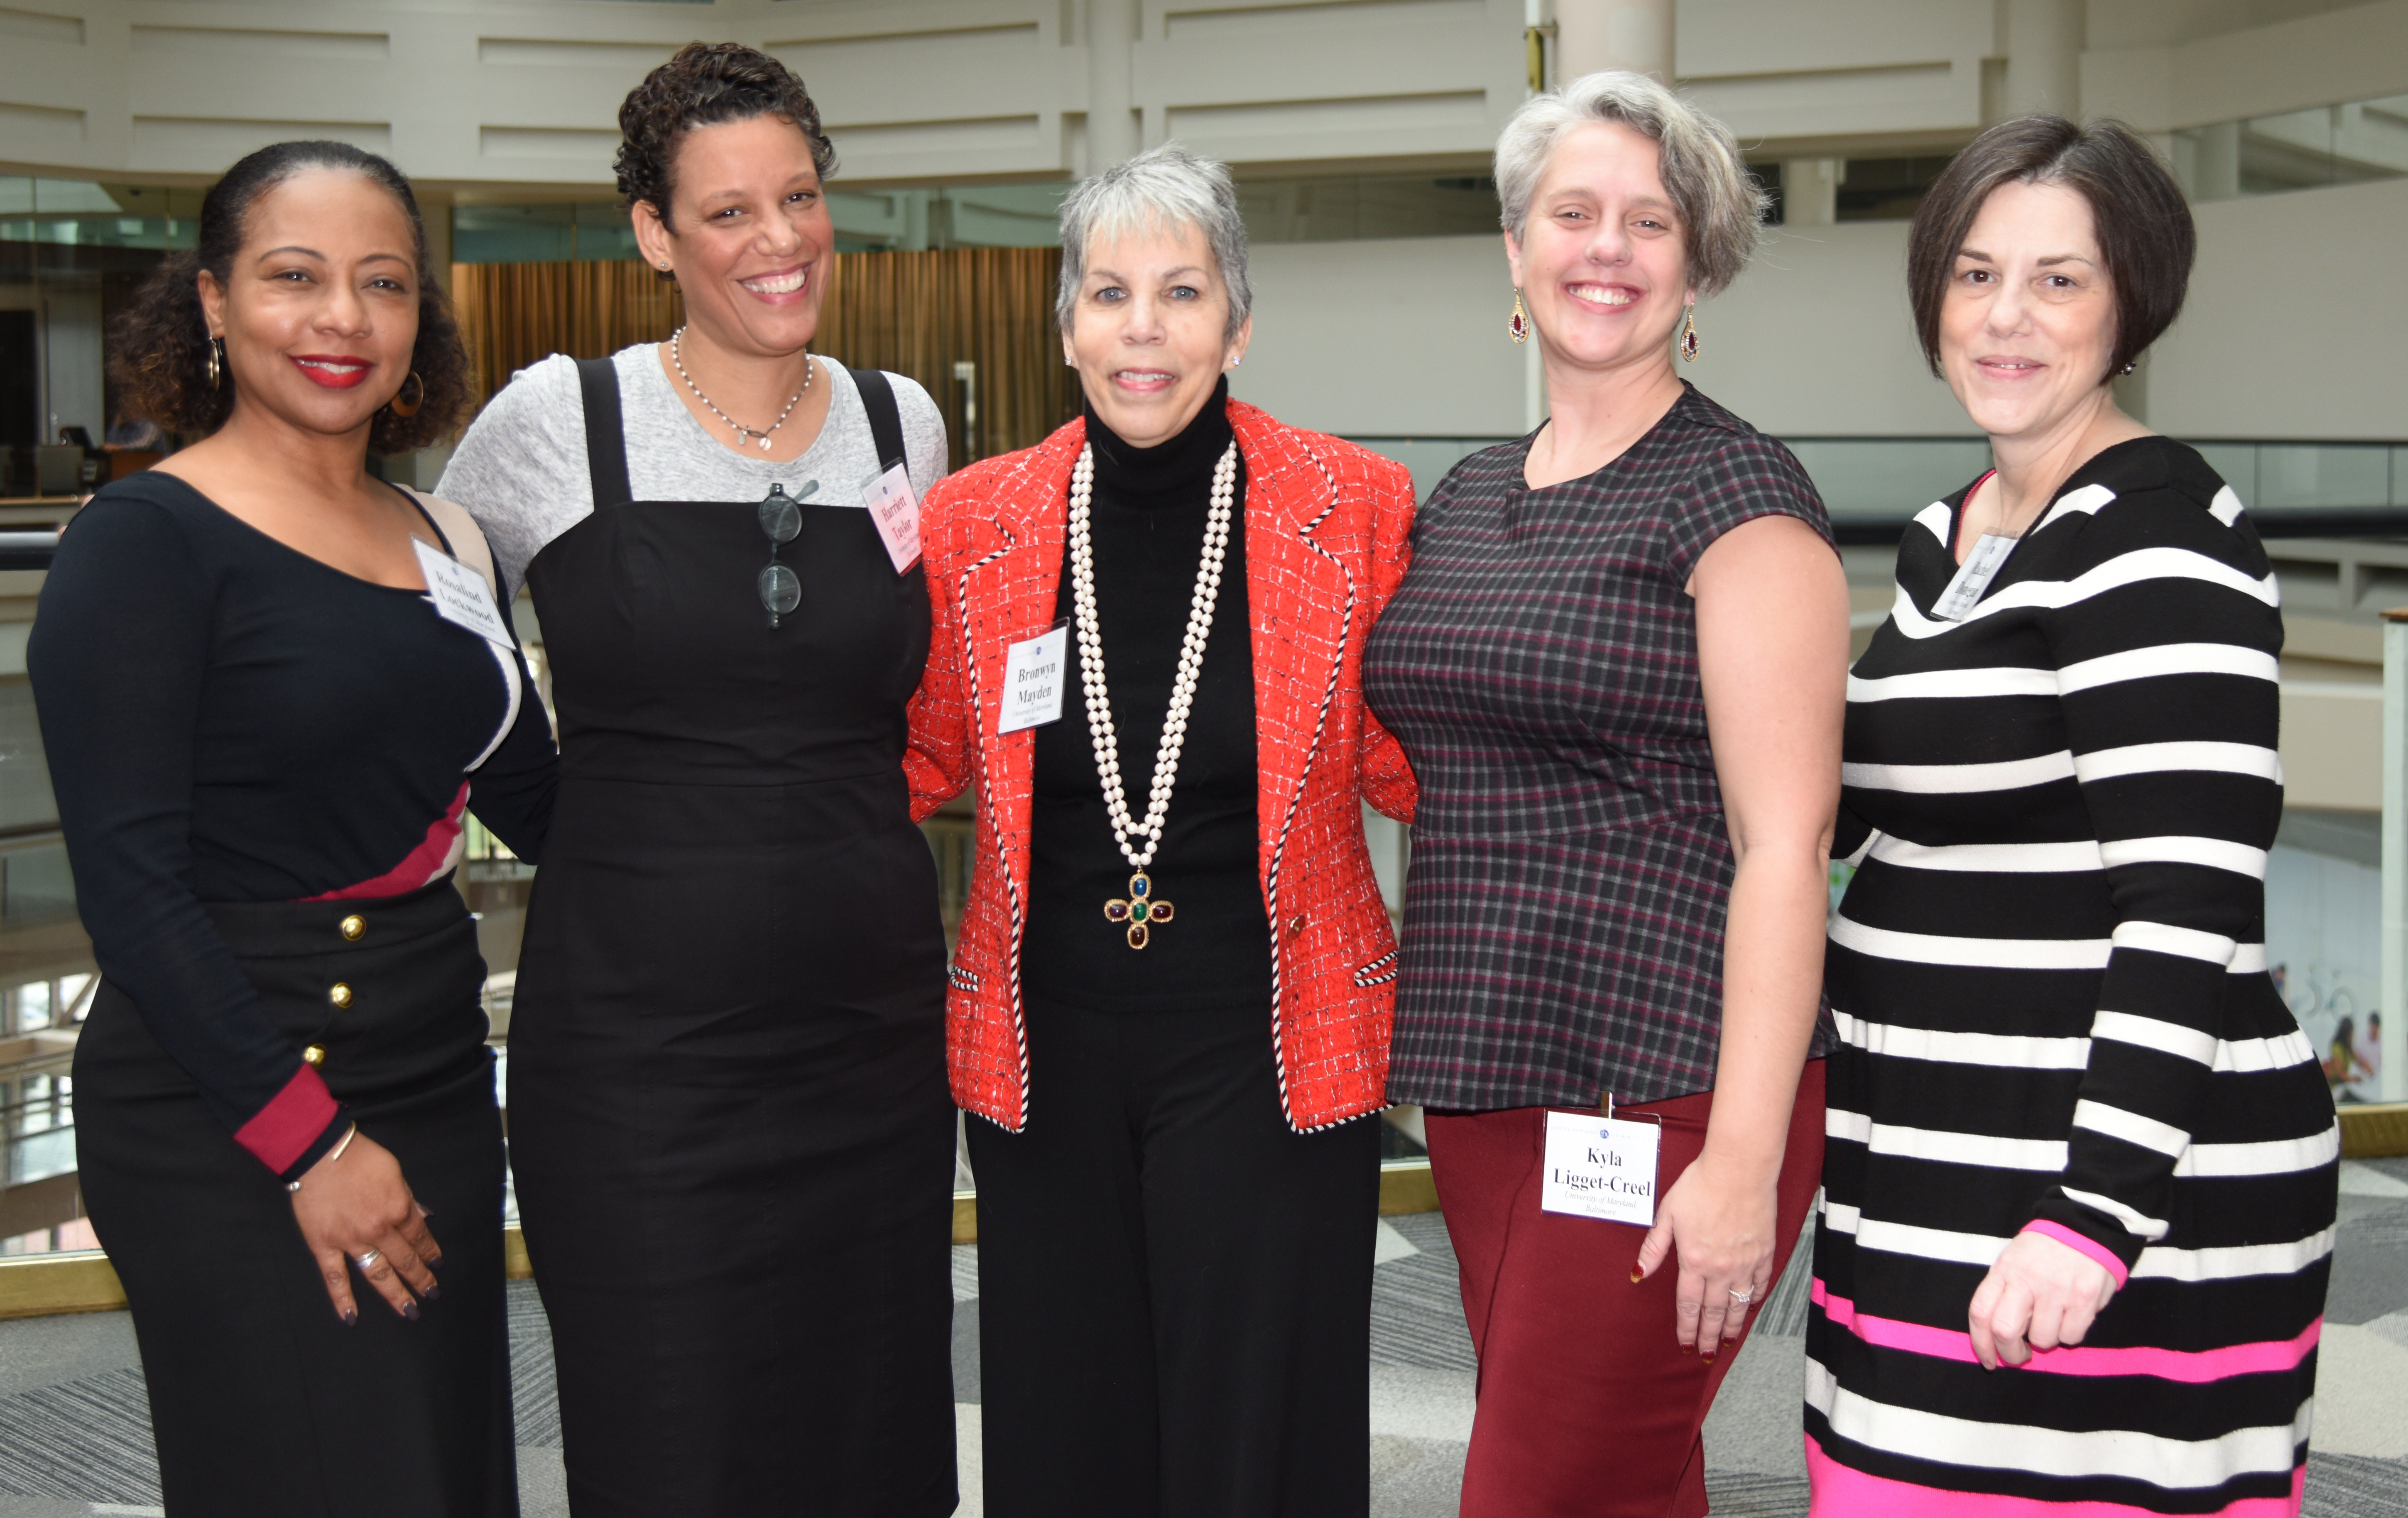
<point x="1140" y="911"/>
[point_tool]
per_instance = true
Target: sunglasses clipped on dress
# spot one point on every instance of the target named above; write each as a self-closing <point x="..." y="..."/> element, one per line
<point x="782" y="523"/>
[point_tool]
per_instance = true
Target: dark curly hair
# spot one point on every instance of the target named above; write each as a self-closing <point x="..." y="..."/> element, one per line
<point x="159" y="347"/>
<point x="706" y="84"/>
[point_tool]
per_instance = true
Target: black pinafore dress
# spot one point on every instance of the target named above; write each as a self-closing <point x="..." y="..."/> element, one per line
<point x="729" y="1122"/>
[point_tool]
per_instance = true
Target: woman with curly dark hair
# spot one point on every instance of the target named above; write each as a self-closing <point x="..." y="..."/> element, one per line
<point x="271" y="686"/>
<point x="729" y="1119"/>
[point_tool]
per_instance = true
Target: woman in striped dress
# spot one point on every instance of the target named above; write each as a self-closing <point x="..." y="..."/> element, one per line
<point x="2080" y="1184"/>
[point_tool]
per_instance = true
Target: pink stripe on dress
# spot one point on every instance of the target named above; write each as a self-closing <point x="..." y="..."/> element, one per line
<point x="1845" y="1492"/>
<point x="424" y="865"/>
<point x="2193" y="1366"/>
<point x="2089" y="1247"/>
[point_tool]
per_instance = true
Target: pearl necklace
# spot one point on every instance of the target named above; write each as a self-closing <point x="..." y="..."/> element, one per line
<point x="742" y="431"/>
<point x="1140" y="909"/>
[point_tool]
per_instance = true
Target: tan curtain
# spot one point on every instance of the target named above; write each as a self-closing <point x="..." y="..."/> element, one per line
<point x="923" y="313"/>
<point x="513" y="314"/>
<point x="919" y="314"/>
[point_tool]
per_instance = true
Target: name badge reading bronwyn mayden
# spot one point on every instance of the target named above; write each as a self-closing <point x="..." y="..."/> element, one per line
<point x="1034" y="673"/>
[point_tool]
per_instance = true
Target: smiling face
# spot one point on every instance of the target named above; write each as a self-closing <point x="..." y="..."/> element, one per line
<point x="2029" y="324"/>
<point x="1600" y="261"/>
<point x="753" y="235"/>
<point x="320" y="310"/>
<point x="1149" y="332"/>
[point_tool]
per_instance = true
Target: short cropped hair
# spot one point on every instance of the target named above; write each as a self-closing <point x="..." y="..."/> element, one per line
<point x="1720" y="205"/>
<point x="159" y="346"/>
<point x="706" y="84"/>
<point x="1162" y="188"/>
<point x="2143" y="222"/>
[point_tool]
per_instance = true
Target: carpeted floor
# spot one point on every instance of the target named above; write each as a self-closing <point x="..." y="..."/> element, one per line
<point x="75" y="1429"/>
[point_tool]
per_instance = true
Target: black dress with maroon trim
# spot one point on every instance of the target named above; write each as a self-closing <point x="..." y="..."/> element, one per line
<point x="729" y="1124"/>
<point x="261" y="765"/>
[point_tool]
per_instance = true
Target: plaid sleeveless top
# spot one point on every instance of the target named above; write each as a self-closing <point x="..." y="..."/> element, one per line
<point x="1571" y="865"/>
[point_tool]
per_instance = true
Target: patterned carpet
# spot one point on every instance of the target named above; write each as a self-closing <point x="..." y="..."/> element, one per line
<point x="74" y="1427"/>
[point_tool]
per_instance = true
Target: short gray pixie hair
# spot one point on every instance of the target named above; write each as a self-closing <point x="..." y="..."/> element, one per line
<point x="1720" y="205"/>
<point x="1161" y="190"/>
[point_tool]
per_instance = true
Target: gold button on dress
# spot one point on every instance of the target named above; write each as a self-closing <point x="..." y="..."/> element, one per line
<point x="314" y="1056"/>
<point x="353" y="925"/>
<point x="340" y="995"/>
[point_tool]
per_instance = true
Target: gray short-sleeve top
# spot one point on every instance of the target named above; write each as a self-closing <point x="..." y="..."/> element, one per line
<point x="521" y="471"/>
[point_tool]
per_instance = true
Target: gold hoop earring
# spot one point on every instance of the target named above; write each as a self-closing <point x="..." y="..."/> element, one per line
<point x="217" y="363"/>
<point x="418" y="400"/>
<point x="1689" y="333"/>
<point x="1517" y="326"/>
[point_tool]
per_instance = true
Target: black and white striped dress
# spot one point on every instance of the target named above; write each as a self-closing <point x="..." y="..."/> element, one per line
<point x="2049" y="978"/>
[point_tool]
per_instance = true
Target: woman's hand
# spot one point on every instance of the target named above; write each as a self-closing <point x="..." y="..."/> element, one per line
<point x="1720" y="1226"/>
<point x="354" y="1205"/>
<point x="2040" y="1294"/>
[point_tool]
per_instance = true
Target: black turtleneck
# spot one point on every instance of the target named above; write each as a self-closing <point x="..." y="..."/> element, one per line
<point x="1147" y="528"/>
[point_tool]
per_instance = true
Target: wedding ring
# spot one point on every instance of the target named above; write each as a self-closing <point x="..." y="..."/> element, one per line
<point x="1743" y="1298"/>
<point x="365" y="1261"/>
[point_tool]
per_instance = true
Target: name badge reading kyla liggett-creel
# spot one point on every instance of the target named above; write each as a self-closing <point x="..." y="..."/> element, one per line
<point x="461" y="596"/>
<point x="1033" y="672"/>
<point x="1600" y="1168"/>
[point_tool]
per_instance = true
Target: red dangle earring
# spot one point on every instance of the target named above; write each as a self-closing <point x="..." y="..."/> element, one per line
<point x="1517" y="326"/>
<point x="1689" y="333"/>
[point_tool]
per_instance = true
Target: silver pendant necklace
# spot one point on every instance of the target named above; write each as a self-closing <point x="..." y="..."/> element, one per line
<point x="1140" y="909"/>
<point x="743" y="432"/>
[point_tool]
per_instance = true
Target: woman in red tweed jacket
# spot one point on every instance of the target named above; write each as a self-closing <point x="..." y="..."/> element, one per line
<point x="1169" y="1006"/>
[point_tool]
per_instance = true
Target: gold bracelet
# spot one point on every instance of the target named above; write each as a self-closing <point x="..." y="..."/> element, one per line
<point x="334" y="1153"/>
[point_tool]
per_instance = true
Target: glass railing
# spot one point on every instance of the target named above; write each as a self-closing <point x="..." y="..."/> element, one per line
<point x="2300" y="149"/>
<point x="1875" y="485"/>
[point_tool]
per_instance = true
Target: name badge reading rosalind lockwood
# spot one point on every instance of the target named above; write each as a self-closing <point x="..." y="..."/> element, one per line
<point x="1600" y="1168"/>
<point x="460" y="594"/>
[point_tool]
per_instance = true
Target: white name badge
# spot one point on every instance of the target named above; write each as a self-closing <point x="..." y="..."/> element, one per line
<point x="1974" y="576"/>
<point x="1600" y="1168"/>
<point x="1034" y="675"/>
<point x="461" y="594"/>
<point x="896" y="512"/>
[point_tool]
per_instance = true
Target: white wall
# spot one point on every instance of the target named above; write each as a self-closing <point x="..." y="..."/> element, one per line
<point x="2297" y="320"/>
<point x="465" y="95"/>
<point x="1387" y="338"/>
<point x="1815" y="339"/>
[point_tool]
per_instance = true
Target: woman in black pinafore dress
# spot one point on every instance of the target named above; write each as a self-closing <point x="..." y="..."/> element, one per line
<point x="729" y="1122"/>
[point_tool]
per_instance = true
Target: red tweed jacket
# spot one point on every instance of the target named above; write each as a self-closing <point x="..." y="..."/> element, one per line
<point x="1326" y="547"/>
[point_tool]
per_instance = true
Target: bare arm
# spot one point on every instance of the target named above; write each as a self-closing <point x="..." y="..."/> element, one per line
<point x="1773" y="653"/>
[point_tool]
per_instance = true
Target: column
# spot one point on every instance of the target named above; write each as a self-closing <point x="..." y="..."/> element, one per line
<point x="2393" y="989"/>
<point x="1591" y="35"/>
<point x="2044" y="57"/>
<point x="1112" y="103"/>
<point x="1810" y="191"/>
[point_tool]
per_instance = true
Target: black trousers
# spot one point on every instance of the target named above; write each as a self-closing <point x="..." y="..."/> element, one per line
<point x="1174" y="1286"/>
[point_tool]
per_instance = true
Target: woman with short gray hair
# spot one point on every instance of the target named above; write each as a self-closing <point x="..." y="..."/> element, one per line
<point x="1169" y="1009"/>
<point x="1618" y="668"/>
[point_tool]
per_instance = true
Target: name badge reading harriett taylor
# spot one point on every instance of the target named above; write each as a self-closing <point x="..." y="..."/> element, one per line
<point x="461" y="594"/>
<point x="896" y="512"/>
<point x="1034" y="673"/>
<point x="1600" y="1168"/>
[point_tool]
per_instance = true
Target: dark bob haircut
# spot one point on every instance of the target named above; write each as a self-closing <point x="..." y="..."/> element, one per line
<point x="159" y="348"/>
<point x="706" y="84"/>
<point x="2144" y="224"/>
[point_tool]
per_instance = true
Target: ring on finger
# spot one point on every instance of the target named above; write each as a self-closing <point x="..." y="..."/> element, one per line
<point x="368" y="1262"/>
<point x="1743" y="1298"/>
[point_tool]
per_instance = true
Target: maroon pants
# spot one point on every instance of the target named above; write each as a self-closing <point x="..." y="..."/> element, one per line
<point x="1588" y="1407"/>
